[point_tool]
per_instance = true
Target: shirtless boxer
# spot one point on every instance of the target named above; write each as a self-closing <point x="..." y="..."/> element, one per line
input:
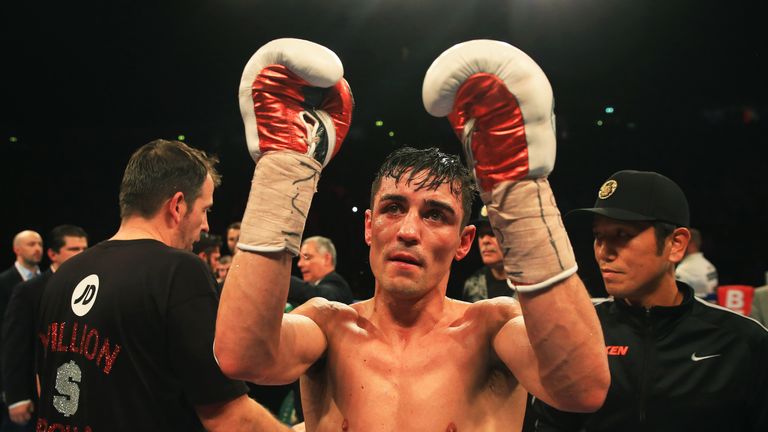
<point x="410" y="359"/>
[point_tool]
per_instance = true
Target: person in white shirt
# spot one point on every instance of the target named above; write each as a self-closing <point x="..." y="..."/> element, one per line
<point x="695" y="270"/>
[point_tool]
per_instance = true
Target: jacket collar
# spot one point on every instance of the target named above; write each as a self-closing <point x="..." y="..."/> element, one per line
<point x="663" y="313"/>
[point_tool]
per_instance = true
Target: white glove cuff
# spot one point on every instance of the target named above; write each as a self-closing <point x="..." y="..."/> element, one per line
<point x="281" y="193"/>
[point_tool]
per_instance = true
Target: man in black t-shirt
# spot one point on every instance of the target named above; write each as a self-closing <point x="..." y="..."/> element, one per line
<point x="126" y="328"/>
<point x="488" y="281"/>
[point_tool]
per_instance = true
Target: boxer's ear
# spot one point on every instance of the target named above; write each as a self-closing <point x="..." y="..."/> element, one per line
<point x="368" y="216"/>
<point x="466" y="238"/>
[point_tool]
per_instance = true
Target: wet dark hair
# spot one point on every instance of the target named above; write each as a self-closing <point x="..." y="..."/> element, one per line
<point x="158" y="170"/>
<point x="440" y="168"/>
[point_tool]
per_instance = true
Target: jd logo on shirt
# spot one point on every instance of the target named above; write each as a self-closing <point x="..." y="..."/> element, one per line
<point x="84" y="295"/>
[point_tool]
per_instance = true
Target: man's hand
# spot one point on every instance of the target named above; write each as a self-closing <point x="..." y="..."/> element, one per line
<point x="21" y="413"/>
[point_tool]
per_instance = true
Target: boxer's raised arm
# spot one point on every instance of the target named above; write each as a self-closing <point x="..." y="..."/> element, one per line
<point x="297" y="109"/>
<point x="500" y="105"/>
<point x="556" y="349"/>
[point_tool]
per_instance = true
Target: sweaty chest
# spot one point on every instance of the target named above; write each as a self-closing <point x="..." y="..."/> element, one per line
<point x="447" y="379"/>
<point x="442" y="364"/>
<point x="445" y="352"/>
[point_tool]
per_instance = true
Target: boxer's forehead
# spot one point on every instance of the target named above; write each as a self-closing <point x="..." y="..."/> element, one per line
<point x="421" y="185"/>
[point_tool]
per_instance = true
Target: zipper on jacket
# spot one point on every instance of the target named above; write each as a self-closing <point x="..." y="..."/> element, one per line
<point x="644" y="371"/>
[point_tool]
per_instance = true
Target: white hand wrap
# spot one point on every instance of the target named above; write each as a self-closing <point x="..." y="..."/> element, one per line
<point x="527" y="224"/>
<point x="281" y="193"/>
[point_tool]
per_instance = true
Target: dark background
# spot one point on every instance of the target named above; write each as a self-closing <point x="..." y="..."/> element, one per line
<point x="84" y="85"/>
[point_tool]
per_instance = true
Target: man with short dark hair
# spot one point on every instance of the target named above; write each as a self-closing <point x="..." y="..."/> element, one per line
<point x="18" y="329"/>
<point x="126" y="328"/>
<point x="221" y="273"/>
<point x="208" y="248"/>
<point x="677" y="362"/>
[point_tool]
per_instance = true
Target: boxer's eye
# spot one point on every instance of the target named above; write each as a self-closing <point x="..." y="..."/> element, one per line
<point x="392" y="208"/>
<point x="435" y="215"/>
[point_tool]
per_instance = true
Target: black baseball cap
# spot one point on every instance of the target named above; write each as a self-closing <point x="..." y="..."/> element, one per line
<point x="482" y="223"/>
<point x="641" y="196"/>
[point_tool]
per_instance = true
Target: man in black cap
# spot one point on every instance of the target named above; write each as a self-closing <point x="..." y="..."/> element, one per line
<point x="677" y="362"/>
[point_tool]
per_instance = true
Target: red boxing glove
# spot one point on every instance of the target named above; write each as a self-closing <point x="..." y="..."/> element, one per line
<point x="297" y="109"/>
<point x="293" y="97"/>
<point x="500" y="105"/>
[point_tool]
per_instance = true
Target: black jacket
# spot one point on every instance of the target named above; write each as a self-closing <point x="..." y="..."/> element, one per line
<point x="695" y="366"/>
<point x="9" y="278"/>
<point x="19" y="338"/>
<point x="332" y="287"/>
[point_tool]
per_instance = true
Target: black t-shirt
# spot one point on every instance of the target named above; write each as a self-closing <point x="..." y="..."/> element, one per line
<point x="496" y="287"/>
<point x="126" y="331"/>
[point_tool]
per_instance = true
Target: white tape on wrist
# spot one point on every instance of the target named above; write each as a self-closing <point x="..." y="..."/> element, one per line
<point x="545" y="284"/>
<point x="281" y="193"/>
<point x="526" y="221"/>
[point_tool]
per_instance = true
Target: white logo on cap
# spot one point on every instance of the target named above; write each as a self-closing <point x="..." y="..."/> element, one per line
<point x="607" y="189"/>
<point x="84" y="295"/>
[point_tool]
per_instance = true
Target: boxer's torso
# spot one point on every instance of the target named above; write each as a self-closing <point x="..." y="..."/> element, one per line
<point x="447" y="378"/>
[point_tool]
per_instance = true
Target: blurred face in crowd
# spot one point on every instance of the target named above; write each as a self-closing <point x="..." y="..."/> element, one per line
<point x="212" y="259"/>
<point x="223" y="269"/>
<point x="490" y="251"/>
<point x="313" y="263"/>
<point x="72" y="246"/>
<point x="28" y="247"/>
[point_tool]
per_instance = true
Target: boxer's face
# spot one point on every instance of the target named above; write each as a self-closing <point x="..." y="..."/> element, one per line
<point x="627" y="255"/>
<point x="195" y="220"/>
<point x="414" y="237"/>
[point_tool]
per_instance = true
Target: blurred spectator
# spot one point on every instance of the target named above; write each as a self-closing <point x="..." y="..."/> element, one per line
<point x="489" y="281"/>
<point x="695" y="270"/>
<point x="28" y="247"/>
<point x="760" y="305"/>
<point x="19" y="336"/>
<point x="224" y="262"/>
<point x="233" y="234"/>
<point x="208" y="248"/>
<point x="317" y="262"/>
